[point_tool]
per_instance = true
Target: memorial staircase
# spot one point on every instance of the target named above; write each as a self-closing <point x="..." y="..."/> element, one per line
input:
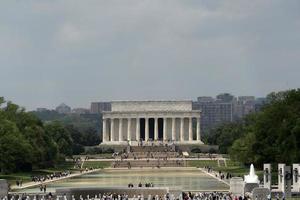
<point x="148" y="163"/>
<point x="149" y="156"/>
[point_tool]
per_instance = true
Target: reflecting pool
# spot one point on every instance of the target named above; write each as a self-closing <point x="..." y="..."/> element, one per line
<point x="186" y="179"/>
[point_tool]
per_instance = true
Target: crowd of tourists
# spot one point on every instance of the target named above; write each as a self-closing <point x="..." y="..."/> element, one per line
<point x="130" y="185"/>
<point x="104" y="196"/>
<point x="219" y="174"/>
<point x="123" y="196"/>
<point x="212" y="196"/>
<point x="43" y="178"/>
<point x="154" y="163"/>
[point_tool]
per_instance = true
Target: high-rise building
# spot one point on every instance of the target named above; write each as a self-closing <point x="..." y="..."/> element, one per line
<point x="243" y="106"/>
<point x="225" y="108"/>
<point x="99" y="107"/>
<point x="259" y="103"/>
<point x="214" y="111"/>
<point x="225" y="97"/>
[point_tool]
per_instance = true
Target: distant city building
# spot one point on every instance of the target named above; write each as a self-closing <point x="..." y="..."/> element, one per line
<point x="63" y="109"/>
<point x="213" y="111"/>
<point x="205" y="99"/>
<point x="99" y="107"/>
<point x="41" y="109"/>
<point x="225" y="97"/>
<point x="225" y="108"/>
<point x="259" y="103"/>
<point x="80" y="111"/>
<point x="244" y="106"/>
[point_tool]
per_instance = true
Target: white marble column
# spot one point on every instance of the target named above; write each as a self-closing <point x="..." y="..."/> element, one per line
<point x="155" y="128"/>
<point x="129" y="129"/>
<point x="165" y="135"/>
<point x="181" y="129"/>
<point x="190" y="129"/>
<point x="173" y="129"/>
<point x="146" y="129"/>
<point x="120" y="129"/>
<point x="112" y="129"/>
<point x="198" y="129"/>
<point x="104" y="132"/>
<point x="137" y="133"/>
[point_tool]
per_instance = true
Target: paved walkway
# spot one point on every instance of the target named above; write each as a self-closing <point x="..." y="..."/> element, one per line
<point x="33" y="184"/>
<point x="129" y="159"/>
<point x="213" y="174"/>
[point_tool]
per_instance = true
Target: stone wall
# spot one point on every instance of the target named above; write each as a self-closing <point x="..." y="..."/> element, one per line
<point x="3" y="188"/>
<point x="118" y="190"/>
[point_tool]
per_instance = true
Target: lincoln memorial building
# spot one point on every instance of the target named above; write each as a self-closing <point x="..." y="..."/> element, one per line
<point x="135" y="121"/>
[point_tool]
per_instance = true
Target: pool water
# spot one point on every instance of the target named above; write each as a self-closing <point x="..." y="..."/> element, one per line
<point x="186" y="179"/>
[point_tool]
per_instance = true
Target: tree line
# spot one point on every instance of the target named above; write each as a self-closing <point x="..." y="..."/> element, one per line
<point x="269" y="136"/>
<point x="27" y="143"/>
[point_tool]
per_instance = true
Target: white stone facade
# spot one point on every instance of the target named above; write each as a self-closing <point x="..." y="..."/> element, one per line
<point x="134" y="121"/>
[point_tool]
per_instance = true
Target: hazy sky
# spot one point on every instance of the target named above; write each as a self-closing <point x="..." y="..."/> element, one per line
<point x="94" y="50"/>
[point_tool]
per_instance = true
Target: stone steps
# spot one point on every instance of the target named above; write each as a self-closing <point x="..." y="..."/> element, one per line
<point x="152" y="149"/>
<point x="153" y="155"/>
<point x="149" y="163"/>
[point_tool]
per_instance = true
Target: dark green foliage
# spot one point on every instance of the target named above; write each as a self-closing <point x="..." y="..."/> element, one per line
<point x="271" y="135"/>
<point x="25" y="142"/>
<point x="212" y="150"/>
<point x="98" y="150"/>
<point x="274" y="135"/>
<point x="196" y="150"/>
<point x="61" y="136"/>
<point x="82" y="122"/>
<point x="224" y="135"/>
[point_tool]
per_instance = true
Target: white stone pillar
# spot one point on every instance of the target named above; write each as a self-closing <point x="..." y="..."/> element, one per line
<point x="129" y="129"/>
<point x="156" y="128"/>
<point x="112" y="129"/>
<point x="173" y="129"/>
<point x="146" y="129"/>
<point x="137" y="133"/>
<point x="165" y="135"/>
<point x="190" y="129"/>
<point x="120" y="129"/>
<point x="198" y="129"/>
<point x="267" y="176"/>
<point x="104" y="133"/>
<point x="181" y="129"/>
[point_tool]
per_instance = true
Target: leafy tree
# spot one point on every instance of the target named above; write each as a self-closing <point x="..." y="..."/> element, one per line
<point x="15" y="151"/>
<point x="224" y="135"/>
<point x="61" y="137"/>
<point x="24" y="143"/>
<point x="271" y="135"/>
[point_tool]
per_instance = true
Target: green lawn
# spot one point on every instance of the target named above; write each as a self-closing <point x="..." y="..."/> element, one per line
<point x="96" y="156"/>
<point x="202" y="163"/>
<point x="235" y="168"/>
<point x="97" y="164"/>
<point x="26" y="176"/>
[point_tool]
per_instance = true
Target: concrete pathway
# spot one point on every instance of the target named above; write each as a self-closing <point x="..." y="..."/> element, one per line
<point x="129" y="159"/>
<point x="33" y="184"/>
<point x="213" y="174"/>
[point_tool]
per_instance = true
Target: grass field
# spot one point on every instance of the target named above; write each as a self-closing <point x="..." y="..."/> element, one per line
<point x="97" y="164"/>
<point x="234" y="168"/>
<point x="26" y="176"/>
<point x="202" y="163"/>
<point x="96" y="156"/>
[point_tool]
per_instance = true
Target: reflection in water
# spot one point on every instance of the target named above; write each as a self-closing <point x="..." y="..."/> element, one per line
<point x="187" y="179"/>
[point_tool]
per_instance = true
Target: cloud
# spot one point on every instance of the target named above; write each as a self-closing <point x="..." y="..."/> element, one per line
<point x="77" y="52"/>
